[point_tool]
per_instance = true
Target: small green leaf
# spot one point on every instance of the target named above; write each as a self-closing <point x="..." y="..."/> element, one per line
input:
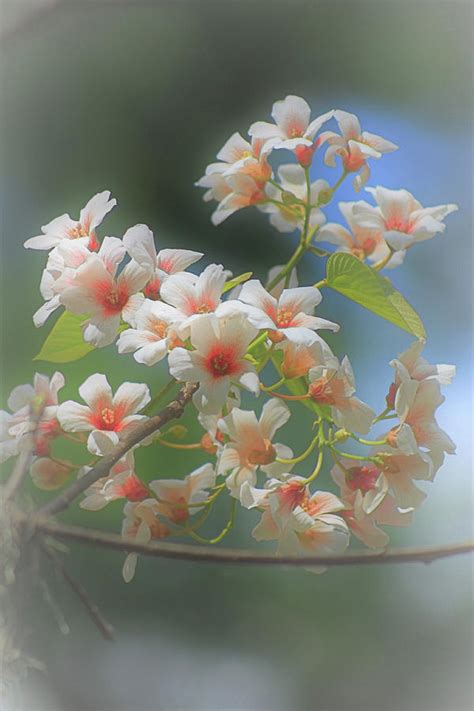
<point x="65" y="342"/>
<point x="360" y="283"/>
<point x="236" y="281"/>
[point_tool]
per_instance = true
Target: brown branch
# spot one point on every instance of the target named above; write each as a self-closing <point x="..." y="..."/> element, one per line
<point x="146" y="428"/>
<point x="207" y="554"/>
<point x="104" y="627"/>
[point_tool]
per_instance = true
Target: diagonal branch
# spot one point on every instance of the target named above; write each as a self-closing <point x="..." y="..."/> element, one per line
<point x="207" y="554"/>
<point x="104" y="627"/>
<point x="171" y="412"/>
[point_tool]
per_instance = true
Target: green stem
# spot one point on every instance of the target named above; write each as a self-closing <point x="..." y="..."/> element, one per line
<point x="257" y="341"/>
<point x="224" y="531"/>
<point x="368" y="442"/>
<point x="302" y="457"/>
<point x="320" y="284"/>
<point x="317" y="469"/>
<point x="269" y="388"/>
<point x="383" y="262"/>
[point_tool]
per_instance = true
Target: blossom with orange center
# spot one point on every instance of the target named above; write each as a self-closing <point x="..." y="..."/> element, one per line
<point x="106" y="414"/>
<point x="65" y="228"/>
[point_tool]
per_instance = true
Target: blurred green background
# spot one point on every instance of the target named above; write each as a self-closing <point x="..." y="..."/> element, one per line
<point x="137" y="97"/>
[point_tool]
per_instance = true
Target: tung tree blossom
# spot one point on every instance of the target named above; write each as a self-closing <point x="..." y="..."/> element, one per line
<point x="213" y="343"/>
<point x="64" y="227"/>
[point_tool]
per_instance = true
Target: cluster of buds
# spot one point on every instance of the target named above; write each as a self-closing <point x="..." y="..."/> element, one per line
<point x="226" y="337"/>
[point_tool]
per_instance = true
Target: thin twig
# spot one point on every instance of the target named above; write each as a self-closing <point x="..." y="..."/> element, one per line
<point x="178" y="551"/>
<point x="104" y="627"/>
<point x="146" y="428"/>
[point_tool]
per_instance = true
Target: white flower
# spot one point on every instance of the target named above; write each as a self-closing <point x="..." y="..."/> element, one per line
<point x="141" y="524"/>
<point x="121" y="482"/>
<point x="217" y="187"/>
<point x="245" y="191"/>
<point x="293" y="126"/>
<point x="175" y="495"/>
<point x="289" y="316"/>
<point x="287" y="218"/>
<point x="194" y="296"/>
<point x="354" y="146"/>
<point x="302" y="523"/>
<point x="362" y="242"/>
<point x="93" y="290"/>
<point x="364" y="491"/>
<point x="32" y="421"/>
<point x="64" y="227"/>
<point x="335" y="387"/>
<point x="112" y="415"/>
<point x="218" y="359"/>
<point x="419" y="428"/>
<point x="400" y="218"/>
<point x="63" y="261"/>
<point x="154" y="332"/>
<point x="251" y="446"/>
<point x="140" y="245"/>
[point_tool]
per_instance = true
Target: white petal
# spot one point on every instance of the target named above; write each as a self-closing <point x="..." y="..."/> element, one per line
<point x="132" y="397"/>
<point x="96" y="388"/>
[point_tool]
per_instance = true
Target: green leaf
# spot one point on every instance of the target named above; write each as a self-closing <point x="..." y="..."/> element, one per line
<point x="362" y="284"/>
<point x="236" y="281"/>
<point x="65" y="342"/>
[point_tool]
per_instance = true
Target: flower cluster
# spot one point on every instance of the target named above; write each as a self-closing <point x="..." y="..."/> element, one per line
<point x="226" y="335"/>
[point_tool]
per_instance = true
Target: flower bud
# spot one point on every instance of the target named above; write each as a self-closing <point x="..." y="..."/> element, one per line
<point x="177" y="432"/>
<point x="325" y="196"/>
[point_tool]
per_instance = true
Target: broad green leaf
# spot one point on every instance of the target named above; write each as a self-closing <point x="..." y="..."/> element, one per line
<point x="236" y="281"/>
<point x="65" y="342"/>
<point x="360" y="283"/>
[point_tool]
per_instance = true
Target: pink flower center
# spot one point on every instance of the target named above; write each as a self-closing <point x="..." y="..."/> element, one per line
<point x="320" y="391"/>
<point x="221" y="361"/>
<point x="266" y="455"/>
<point x="107" y="418"/>
<point x="291" y="495"/>
<point x="152" y="289"/>
<point x="132" y="489"/>
<point x="295" y="129"/>
<point x="398" y="225"/>
<point x="362" y="478"/>
<point x="180" y="513"/>
<point x="159" y="328"/>
<point x="111" y="296"/>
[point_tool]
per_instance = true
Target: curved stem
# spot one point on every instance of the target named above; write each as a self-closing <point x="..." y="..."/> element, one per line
<point x="224" y="531"/>
<point x="317" y="469"/>
<point x="269" y="388"/>
<point x="176" y="551"/>
<point x="368" y="442"/>
<point x="302" y="457"/>
<point x="173" y="445"/>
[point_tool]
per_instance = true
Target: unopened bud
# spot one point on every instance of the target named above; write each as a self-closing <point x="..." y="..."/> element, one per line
<point x="341" y="435"/>
<point x="177" y="432"/>
<point x="325" y="196"/>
